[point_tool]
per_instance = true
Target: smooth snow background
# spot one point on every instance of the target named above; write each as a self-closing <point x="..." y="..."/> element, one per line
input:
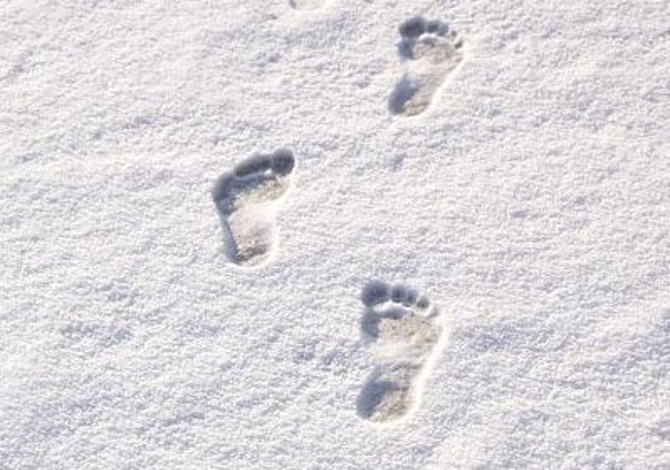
<point x="531" y="202"/>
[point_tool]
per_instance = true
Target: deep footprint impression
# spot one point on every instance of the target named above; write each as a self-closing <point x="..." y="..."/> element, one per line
<point x="403" y="330"/>
<point x="431" y="51"/>
<point x="248" y="199"/>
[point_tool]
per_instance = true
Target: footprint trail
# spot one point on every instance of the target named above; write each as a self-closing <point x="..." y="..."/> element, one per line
<point x="248" y="199"/>
<point x="403" y="330"/>
<point x="431" y="51"/>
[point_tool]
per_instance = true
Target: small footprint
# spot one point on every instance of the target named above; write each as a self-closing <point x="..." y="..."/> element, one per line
<point x="403" y="329"/>
<point x="431" y="51"/>
<point x="247" y="199"/>
<point x="306" y="4"/>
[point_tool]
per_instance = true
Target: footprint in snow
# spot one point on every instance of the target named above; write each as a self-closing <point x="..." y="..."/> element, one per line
<point x="403" y="329"/>
<point x="431" y="52"/>
<point x="248" y="199"/>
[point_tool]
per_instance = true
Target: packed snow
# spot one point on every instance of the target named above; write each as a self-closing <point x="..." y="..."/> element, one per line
<point x="334" y="234"/>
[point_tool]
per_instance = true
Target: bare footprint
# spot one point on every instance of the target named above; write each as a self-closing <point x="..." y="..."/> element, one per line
<point x="403" y="330"/>
<point x="431" y="51"/>
<point x="247" y="199"/>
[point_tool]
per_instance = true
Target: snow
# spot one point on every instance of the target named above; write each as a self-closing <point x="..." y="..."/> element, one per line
<point x="530" y="202"/>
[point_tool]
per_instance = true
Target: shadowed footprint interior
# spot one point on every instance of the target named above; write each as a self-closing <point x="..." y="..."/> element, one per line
<point x="248" y="199"/>
<point x="306" y="4"/>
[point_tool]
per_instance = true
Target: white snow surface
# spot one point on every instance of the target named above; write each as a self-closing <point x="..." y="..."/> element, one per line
<point x="530" y="202"/>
